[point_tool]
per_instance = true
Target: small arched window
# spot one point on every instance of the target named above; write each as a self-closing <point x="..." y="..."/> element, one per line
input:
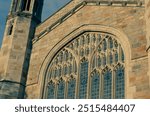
<point x="10" y="29"/>
<point x="26" y="5"/>
<point x="15" y="5"/>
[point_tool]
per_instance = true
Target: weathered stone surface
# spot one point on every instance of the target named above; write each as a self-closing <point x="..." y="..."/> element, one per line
<point x="128" y="20"/>
<point x="16" y="48"/>
<point x="11" y="90"/>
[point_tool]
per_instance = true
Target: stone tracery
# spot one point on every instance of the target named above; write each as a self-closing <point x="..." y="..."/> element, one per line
<point x="90" y="66"/>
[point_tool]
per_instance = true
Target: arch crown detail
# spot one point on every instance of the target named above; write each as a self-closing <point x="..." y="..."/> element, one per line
<point x="89" y="66"/>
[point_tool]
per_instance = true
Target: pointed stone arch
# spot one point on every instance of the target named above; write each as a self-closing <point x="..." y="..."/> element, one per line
<point x="121" y="38"/>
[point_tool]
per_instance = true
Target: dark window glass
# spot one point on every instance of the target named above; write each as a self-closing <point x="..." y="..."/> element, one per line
<point x="10" y="29"/>
<point x="119" y="84"/>
<point x="51" y="91"/>
<point x="107" y="85"/>
<point x="83" y="80"/>
<point x="61" y="90"/>
<point x="95" y="86"/>
<point x="71" y="89"/>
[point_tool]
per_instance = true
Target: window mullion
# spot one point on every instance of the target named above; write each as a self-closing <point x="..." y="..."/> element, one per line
<point x="56" y="90"/>
<point x="77" y="80"/>
<point x="89" y="80"/>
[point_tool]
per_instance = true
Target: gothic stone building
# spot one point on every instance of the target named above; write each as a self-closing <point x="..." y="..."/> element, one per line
<point x="94" y="49"/>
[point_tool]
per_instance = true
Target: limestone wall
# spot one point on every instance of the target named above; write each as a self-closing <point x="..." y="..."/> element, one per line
<point x="75" y="5"/>
<point x="147" y="16"/>
<point x="129" y="20"/>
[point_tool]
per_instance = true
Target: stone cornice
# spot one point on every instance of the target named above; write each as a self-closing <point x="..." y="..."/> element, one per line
<point x="115" y="3"/>
<point x="23" y="14"/>
<point x="10" y="81"/>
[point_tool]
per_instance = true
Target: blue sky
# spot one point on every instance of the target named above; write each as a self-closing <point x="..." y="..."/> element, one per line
<point x="50" y="6"/>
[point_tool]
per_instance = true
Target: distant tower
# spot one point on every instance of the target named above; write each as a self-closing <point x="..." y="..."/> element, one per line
<point x="22" y="19"/>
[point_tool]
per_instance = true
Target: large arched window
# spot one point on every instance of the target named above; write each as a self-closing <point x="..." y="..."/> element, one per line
<point x="90" y="66"/>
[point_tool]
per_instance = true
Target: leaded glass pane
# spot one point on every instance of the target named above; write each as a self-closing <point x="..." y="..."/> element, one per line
<point x="65" y="70"/>
<point x="51" y="91"/>
<point x="61" y="89"/>
<point x="66" y="56"/>
<point x="59" y="71"/>
<point x="70" y="57"/>
<point x="83" y="80"/>
<point x="107" y="85"/>
<point x="87" y="51"/>
<point x="99" y="61"/>
<point x="95" y="86"/>
<point x="82" y="40"/>
<point x="77" y="43"/>
<point x="82" y="52"/>
<point x="71" y="89"/>
<point x="104" y="60"/>
<point x="104" y="45"/>
<point x="111" y="58"/>
<point x="70" y="69"/>
<point x="99" y="37"/>
<point x="52" y="73"/>
<point x="119" y="86"/>
<point x="87" y="39"/>
<point x="116" y="57"/>
<point x="56" y="61"/>
<point x="55" y="73"/>
<point x="93" y="38"/>
<point x="110" y="43"/>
